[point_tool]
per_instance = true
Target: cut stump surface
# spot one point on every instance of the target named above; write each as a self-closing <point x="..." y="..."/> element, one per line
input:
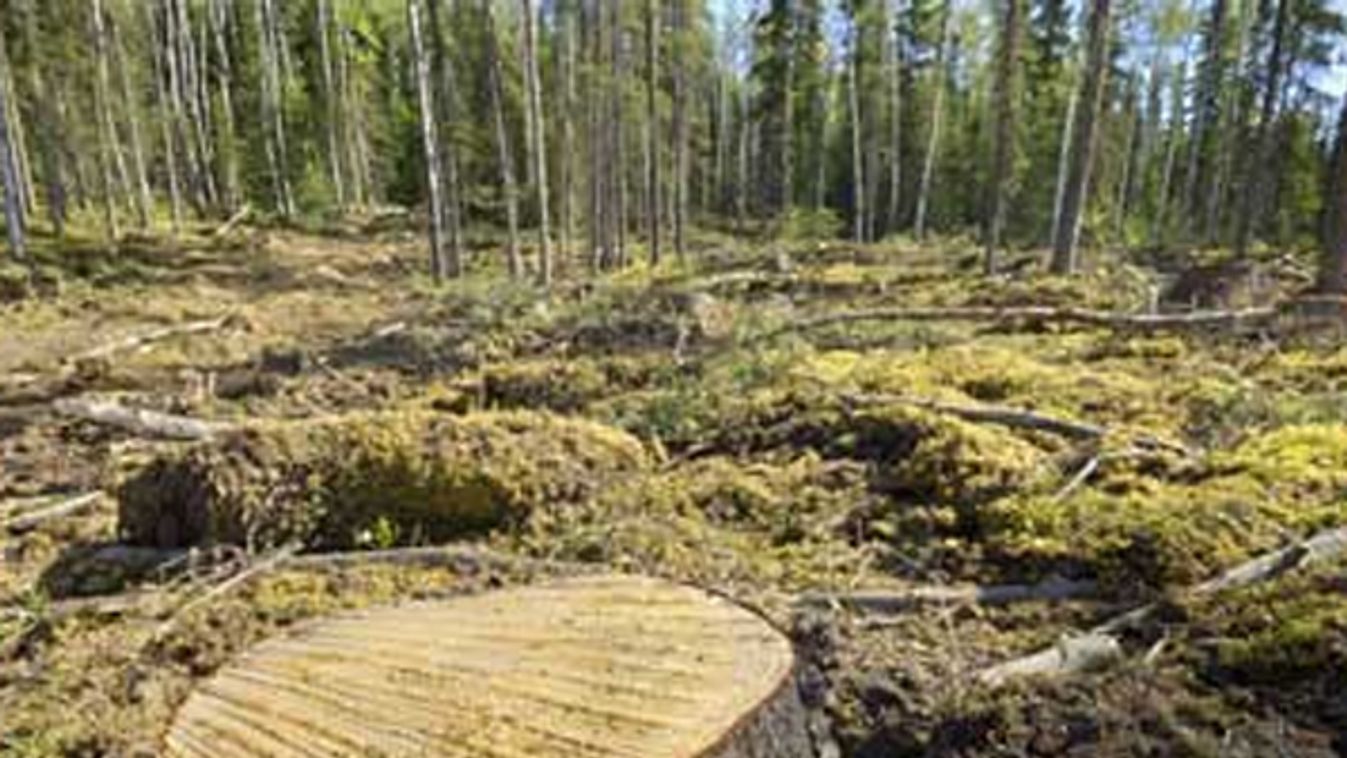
<point x="591" y="666"/>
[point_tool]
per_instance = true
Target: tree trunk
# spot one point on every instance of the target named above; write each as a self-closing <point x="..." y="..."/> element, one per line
<point x="940" y="82"/>
<point x="680" y="128"/>
<point x="324" y="27"/>
<point x="273" y="107"/>
<point x="895" y="124"/>
<point x="144" y="199"/>
<point x="167" y="115"/>
<point x="504" y="155"/>
<point x="857" y="135"/>
<point x="446" y="93"/>
<point x="9" y="173"/>
<point x="1003" y="163"/>
<point x="107" y="132"/>
<point x="653" y="200"/>
<point x="539" y="150"/>
<point x="1333" y="271"/>
<point x="1076" y="191"/>
<point x="227" y="142"/>
<point x="429" y="139"/>
<point x="1257" y="185"/>
<point x="566" y="108"/>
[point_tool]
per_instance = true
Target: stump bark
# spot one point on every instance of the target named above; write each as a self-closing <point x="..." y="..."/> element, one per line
<point x="590" y="666"/>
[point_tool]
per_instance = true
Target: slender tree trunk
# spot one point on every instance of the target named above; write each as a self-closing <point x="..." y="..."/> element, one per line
<point x="1257" y="186"/>
<point x="227" y="142"/>
<point x="617" y="157"/>
<point x="9" y="174"/>
<point x="273" y="107"/>
<point x="144" y="199"/>
<point x="680" y="128"/>
<point x="1067" y="237"/>
<point x="504" y="156"/>
<point x="566" y="108"/>
<point x="446" y="101"/>
<point x="858" y="182"/>
<point x="1333" y="271"/>
<point x="895" y="124"/>
<point x="539" y="150"/>
<point x="108" y="153"/>
<point x="787" y="189"/>
<point x="1003" y="163"/>
<point x="653" y="200"/>
<point x="429" y="139"/>
<point x="51" y="132"/>
<point x="159" y="49"/>
<point x="323" y="20"/>
<point x="940" y="82"/>
<point x="742" y="163"/>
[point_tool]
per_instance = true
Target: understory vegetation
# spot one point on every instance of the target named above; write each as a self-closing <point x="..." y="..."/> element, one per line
<point x="703" y="422"/>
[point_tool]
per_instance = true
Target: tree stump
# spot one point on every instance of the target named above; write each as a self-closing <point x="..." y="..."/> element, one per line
<point x="590" y="666"/>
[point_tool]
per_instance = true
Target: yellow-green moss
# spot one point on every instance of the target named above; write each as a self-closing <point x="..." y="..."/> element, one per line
<point x="429" y="475"/>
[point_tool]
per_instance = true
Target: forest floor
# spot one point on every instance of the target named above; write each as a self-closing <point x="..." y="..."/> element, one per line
<point x="705" y="423"/>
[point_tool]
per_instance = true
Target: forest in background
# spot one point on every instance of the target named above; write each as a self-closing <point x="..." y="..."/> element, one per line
<point x="586" y="129"/>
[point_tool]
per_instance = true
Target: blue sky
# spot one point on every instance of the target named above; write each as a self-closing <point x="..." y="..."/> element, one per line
<point x="1333" y="82"/>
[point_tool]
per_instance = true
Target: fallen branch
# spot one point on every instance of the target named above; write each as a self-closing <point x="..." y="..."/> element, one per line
<point x="1053" y="661"/>
<point x="269" y="563"/>
<point x="1014" y="418"/>
<point x="134" y="341"/>
<point x="26" y="522"/>
<point x="1142" y="322"/>
<point x="139" y="421"/>
<point x="901" y="601"/>
<point x="239" y="217"/>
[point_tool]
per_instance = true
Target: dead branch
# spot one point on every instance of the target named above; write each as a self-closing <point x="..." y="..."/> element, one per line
<point x="1052" y="661"/>
<point x="1070" y="655"/>
<point x="270" y="562"/>
<point x="134" y="341"/>
<point x="901" y="601"/>
<point x="1014" y="418"/>
<point x="228" y="226"/>
<point x="26" y="522"/>
<point x="139" y="421"/>
<point x="1141" y="322"/>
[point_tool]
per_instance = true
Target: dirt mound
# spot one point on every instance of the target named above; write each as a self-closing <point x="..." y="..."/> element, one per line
<point x="371" y="479"/>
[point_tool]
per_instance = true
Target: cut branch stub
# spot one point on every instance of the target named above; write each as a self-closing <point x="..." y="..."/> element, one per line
<point x="606" y="665"/>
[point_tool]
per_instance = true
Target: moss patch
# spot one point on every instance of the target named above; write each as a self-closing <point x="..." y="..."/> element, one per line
<point x="391" y="477"/>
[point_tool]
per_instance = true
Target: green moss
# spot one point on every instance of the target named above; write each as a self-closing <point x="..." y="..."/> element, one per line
<point x="432" y="476"/>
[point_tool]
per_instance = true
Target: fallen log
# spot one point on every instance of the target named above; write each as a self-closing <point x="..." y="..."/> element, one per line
<point x="592" y="665"/>
<point x="904" y="600"/>
<point x="1320" y="547"/>
<point x="30" y="520"/>
<point x="134" y="341"/>
<point x="139" y="421"/>
<point x="1141" y="322"/>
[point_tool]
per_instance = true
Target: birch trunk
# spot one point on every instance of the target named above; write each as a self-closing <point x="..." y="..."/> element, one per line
<point x="446" y="101"/>
<point x="429" y="140"/>
<point x="334" y="115"/>
<point x="539" y="150"/>
<point x="504" y="157"/>
<point x="933" y="138"/>
<point x="9" y="174"/>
